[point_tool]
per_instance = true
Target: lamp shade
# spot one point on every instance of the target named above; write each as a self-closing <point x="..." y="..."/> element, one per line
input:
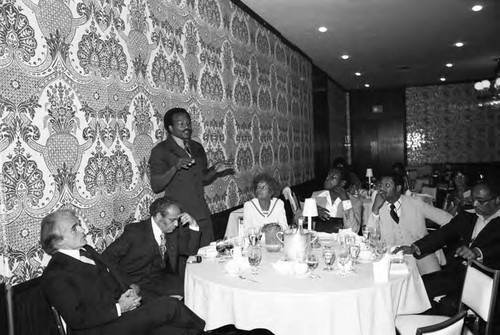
<point x="369" y="172"/>
<point x="310" y="208"/>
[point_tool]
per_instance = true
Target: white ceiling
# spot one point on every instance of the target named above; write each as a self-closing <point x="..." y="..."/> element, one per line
<point x="392" y="42"/>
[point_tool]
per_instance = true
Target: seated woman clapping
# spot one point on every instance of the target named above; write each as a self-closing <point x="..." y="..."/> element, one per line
<point x="265" y="207"/>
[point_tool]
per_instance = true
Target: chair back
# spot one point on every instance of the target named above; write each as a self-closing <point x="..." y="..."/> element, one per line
<point x="480" y="292"/>
<point x="452" y="326"/>
<point x="290" y="196"/>
<point x="432" y="191"/>
<point x="5" y="310"/>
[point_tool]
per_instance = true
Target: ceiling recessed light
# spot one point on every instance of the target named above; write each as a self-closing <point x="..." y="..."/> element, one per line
<point x="357" y="74"/>
<point x="459" y="44"/>
<point x="322" y="29"/>
<point x="345" y="56"/>
<point x="367" y="85"/>
<point x="442" y="79"/>
<point x="477" y="8"/>
<point x="449" y="65"/>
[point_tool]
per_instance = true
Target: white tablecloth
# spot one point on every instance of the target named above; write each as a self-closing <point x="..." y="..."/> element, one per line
<point x="287" y="305"/>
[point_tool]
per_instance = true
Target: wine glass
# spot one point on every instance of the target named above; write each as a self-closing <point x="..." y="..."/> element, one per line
<point x="254" y="257"/>
<point x="329" y="258"/>
<point x="343" y="257"/>
<point x="312" y="264"/>
<point x="380" y="247"/>
<point x="354" y="251"/>
<point x="350" y="240"/>
<point x="254" y="235"/>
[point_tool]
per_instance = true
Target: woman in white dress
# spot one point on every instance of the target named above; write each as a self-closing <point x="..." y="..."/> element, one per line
<point x="265" y="207"/>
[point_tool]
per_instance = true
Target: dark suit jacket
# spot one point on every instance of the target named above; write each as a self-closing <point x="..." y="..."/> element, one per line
<point x="86" y="296"/>
<point x="187" y="186"/>
<point x="136" y="253"/>
<point x="459" y="232"/>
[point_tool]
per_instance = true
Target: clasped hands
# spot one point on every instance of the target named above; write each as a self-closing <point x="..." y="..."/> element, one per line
<point x="186" y="163"/>
<point x="130" y="299"/>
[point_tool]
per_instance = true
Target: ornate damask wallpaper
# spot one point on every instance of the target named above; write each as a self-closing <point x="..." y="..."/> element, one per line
<point x="445" y="124"/>
<point x="84" y="85"/>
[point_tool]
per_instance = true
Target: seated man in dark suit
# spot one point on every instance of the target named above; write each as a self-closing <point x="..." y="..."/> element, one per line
<point x="94" y="298"/>
<point x="153" y="252"/>
<point x="477" y="235"/>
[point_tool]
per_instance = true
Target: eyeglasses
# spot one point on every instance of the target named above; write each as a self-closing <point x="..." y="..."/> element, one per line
<point x="482" y="202"/>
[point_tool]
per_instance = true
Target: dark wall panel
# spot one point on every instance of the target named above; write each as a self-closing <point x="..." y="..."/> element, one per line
<point x="378" y="139"/>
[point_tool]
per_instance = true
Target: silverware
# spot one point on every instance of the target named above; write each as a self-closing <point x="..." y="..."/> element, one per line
<point x="245" y="278"/>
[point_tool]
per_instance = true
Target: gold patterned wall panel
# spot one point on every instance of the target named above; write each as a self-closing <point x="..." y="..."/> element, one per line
<point x="445" y="124"/>
<point x="84" y="85"/>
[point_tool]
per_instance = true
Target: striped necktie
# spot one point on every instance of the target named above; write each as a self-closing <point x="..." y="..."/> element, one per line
<point x="163" y="249"/>
<point x="186" y="147"/>
<point x="393" y="213"/>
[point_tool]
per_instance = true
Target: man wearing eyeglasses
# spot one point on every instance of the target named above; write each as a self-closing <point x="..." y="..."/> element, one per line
<point x="153" y="252"/>
<point x="476" y="233"/>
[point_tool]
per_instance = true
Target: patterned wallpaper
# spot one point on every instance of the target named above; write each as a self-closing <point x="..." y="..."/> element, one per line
<point x="445" y="124"/>
<point x="84" y="85"/>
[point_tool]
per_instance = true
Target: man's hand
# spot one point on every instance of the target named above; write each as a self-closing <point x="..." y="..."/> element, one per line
<point x="184" y="163"/>
<point x="136" y="288"/>
<point x="129" y="301"/>
<point x="466" y="253"/>
<point x="407" y="249"/>
<point x="323" y="213"/>
<point x="223" y="166"/>
<point x="185" y="218"/>
<point x="377" y="204"/>
<point x="339" y="192"/>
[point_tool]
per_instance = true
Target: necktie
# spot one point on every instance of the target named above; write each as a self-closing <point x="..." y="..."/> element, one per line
<point x="394" y="215"/>
<point x="186" y="147"/>
<point x="163" y="249"/>
<point x="86" y="257"/>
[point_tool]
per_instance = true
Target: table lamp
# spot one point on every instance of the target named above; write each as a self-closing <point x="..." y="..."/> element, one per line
<point x="369" y="174"/>
<point x="310" y="210"/>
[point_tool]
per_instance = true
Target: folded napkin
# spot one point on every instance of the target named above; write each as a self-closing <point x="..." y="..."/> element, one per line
<point x="289" y="268"/>
<point x="209" y="251"/>
<point x="381" y="269"/>
<point x="236" y="266"/>
<point x="398" y="269"/>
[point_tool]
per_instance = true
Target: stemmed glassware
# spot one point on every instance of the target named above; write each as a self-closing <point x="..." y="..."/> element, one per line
<point x="312" y="264"/>
<point x="254" y="235"/>
<point x="367" y="233"/>
<point x="354" y="250"/>
<point x="254" y="254"/>
<point x="328" y="257"/>
<point x="343" y="257"/>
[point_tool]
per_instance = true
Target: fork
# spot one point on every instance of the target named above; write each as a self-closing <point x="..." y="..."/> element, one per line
<point x="245" y="278"/>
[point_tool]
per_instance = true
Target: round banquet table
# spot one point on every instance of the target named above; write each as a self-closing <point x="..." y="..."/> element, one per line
<point x="288" y="305"/>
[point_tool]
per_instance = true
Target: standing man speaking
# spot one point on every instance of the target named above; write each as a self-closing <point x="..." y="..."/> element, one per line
<point x="178" y="166"/>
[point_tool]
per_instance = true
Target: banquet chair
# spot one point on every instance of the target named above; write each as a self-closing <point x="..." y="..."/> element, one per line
<point x="432" y="191"/>
<point x="478" y="298"/>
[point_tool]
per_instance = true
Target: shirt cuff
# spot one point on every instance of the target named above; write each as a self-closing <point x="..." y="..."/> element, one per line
<point x="480" y="257"/>
<point x="118" y="310"/>
<point x="376" y="216"/>
<point x="416" y="250"/>
<point x="196" y="228"/>
<point x="346" y="204"/>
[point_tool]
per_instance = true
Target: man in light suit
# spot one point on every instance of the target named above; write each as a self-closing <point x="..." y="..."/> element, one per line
<point x="157" y="269"/>
<point x="476" y="233"/>
<point x="93" y="297"/>
<point x="401" y="218"/>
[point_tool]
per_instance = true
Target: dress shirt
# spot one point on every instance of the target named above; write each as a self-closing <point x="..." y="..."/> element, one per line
<point x="397" y="204"/>
<point x="482" y="222"/>
<point x="76" y="255"/>
<point x="180" y="142"/>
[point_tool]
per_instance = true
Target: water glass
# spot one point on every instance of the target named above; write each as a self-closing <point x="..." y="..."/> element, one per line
<point x="343" y="257"/>
<point x="354" y="251"/>
<point x="329" y="258"/>
<point x="254" y="234"/>
<point x="350" y="240"/>
<point x="254" y="254"/>
<point x="312" y="264"/>
<point x="380" y="247"/>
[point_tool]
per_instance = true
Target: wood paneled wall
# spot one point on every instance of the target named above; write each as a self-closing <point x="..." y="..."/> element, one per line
<point x="378" y="139"/>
